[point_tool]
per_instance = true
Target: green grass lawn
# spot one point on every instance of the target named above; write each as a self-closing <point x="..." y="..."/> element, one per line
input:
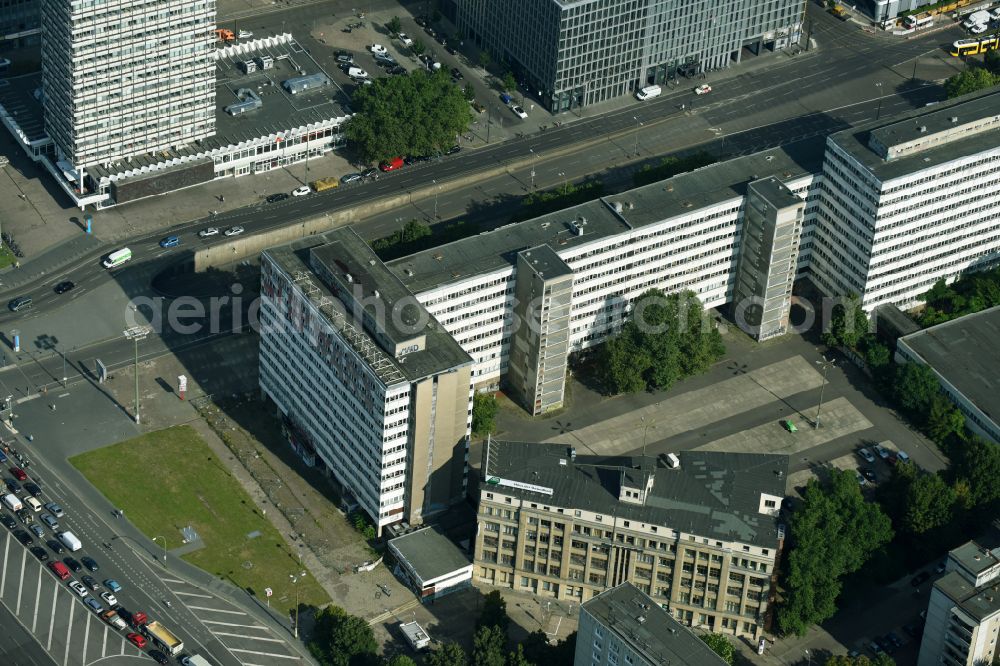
<point x="7" y="257"/>
<point x="170" y="479"/>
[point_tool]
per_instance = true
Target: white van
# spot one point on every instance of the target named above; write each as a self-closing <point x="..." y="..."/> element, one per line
<point x="649" y="92"/>
<point x="70" y="541"/>
<point x="118" y="258"/>
<point x="33" y="504"/>
<point x="12" y="503"/>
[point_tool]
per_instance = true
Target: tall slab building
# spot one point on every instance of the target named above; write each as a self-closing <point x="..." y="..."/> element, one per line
<point x="123" y="78"/>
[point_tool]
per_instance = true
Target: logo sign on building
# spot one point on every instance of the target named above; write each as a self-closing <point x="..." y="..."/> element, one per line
<point x="182" y="385"/>
<point x="518" y="485"/>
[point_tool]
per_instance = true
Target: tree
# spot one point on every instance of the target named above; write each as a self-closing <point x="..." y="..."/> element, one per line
<point x="494" y="612"/>
<point x="394" y="26"/>
<point x="848" y="323"/>
<point x="340" y="639"/>
<point x="832" y="534"/>
<point x="623" y="362"/>
<point x="484" y="59"/>
<point x="509" y="82"/>
<point x="517" y="658"/>
<point x="929" y="504"/>
<point x="418" y="114"/>
<point x="861" y="660"/>
<point x="487" y="646"/>
<point x="469" y="92"/>
<point x="721" y="646"/>
<point x="992" y="62"/>
<point x="969" y="81"/>
<point x="538" y="650"/>
<point x="417" y="47"/>
<point x="944" y="419"/>
<point x="484" y="413"/>
<point x="449" y="654"/>
<point x="976" y="463"/>
<point x="399" y="660"/>
<point x="915" y="388"/>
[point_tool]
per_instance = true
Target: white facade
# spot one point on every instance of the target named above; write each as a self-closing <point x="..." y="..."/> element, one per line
<point x="127" y="77"/>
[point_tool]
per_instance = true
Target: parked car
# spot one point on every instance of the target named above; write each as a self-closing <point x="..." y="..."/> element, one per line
<point x="80" y="590"/>
<point x="64" y="286"/>
<point x="396" y="71"/>
<point x="90" y="563"/>
<point x="12" y="485"/>
<point x="371" y="173"/>
<point x="34" y="489"/>
<point x="902" y="457"/>
<point x="8" y="522"/>
<point x="392" y="164"/>
<point x="94" y="604"/>
<point x="919" y="579"/>
<point x="351" y="178"/>
<point x="378" y="49"/>
<point x="209" y="232"/>
<point x="73" y="564"/>
<point x="404" y="39"/>
<point x="275" y="198"/>
<point x="453" y="150"/>
<point x="345" y="57"/>
<point x="862" y="481"/>
<point x="245" y="34"/>
<point x="703" y="89"/>
<point x="19" y="303"/>
<point x="49" y="520"/>
<point x="789" y="426"/>
<point x="109" y="598"/>
<point x="519" y="112"/>
<point x="137" y="640"/>
<point x="90" y="582"/>
<point x="40" y="554"/>
<point x="159" y="657"/>
<point x="170" y="241"/>
<point x="384" y="59"/>
<point x="870" y="475"/>
<point x="301" y="191"/>
<point x="55" y="546"/>
<point x="19" y="473"/>
<point x="866" y="455"/>
<point x="882" y="452"/>
<point x="55" y="509"/>
<point x="456" y="73"/>
<point x="113" y="585"/>
<point x="37" y="530"/>
<point x="234" y="230"/>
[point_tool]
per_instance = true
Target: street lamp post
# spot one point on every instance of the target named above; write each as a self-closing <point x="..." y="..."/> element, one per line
<point x="825" y="364"/>
<point x="532" y="151"/>
<point x="645" y="429"/>
<point x="638" y="124"/>
<point x="295" y="579"/>
<point x="164" y="548"/>
<point x="878" y="109"/>
<point x="435" y="199"/>
<point x="135" y="334"/>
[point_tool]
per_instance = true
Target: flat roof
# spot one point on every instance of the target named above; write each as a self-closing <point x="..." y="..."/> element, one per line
<point x="975" y="557"/>
<point x="279" y="113"/>
<point x="964" y="351"/>
<point x="904" y="127"/>
<point x="546" y="262"/>
<point x="17" y="96"/>
<point x="649" y="204"/>
<point x="712" y="494"/>
<point x="979" y="602"/>
<point x="647" y="629"/>
<point x="429" y="553"/>
<point x="441" y="352"/>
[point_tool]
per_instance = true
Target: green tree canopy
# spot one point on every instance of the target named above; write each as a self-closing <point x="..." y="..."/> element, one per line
<point x="832" y="534"/>
<point x="517" y="658"/>
<point x="915" y="388"/>
<point x="394" y="26"/>
<point x="340" y="639"/>
<point x="488" y="646"/>
<point x="494" y="613"/>
<point x="971" y="292"/>
<point x="944" y="419"/>
<point x="484" y="414"/>
<point x="848" y="323"/>
<point x="721" y="646"/>
<point x="538" y="650"/>
<point x="509" y="82"/>
<point x="417" y="114"/>
<point x="975" y="463"/>
<point x="861" y="660"/>
<point x="969" y="81"/>
<point x="399" y="660"/>
<point x="449" y="654"/>
<point x="929" y="504"/>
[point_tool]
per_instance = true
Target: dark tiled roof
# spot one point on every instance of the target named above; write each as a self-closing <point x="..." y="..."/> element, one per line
<point x="429" y="553"/>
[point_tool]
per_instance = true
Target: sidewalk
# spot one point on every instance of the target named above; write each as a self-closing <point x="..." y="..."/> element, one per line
<point x="71" y="250"/>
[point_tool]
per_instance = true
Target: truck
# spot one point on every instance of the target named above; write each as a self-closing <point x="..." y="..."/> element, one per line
<point x="224" y="35"/>
<point x="918" y="21"/>
<point x="980" y="17"/>
<point x="325" y="184"/>
<point x="69" y="540"/>
<point x="164" y="639"/>
<point x="112" y="618"/>
<point x="12" y="502"/>
<point x="195" y="660"/>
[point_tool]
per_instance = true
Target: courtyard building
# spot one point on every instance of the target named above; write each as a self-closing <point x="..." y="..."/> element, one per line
<point x="700" y="532"/>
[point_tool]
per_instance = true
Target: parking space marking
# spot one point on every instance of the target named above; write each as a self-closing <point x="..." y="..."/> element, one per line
<point x="252" y="638"/>
<point x="69" y="634"/>
<point x="174" y="580"/>
<point x="38" y="599"/>
<point x="192" y="594"/>
<point x="217" y="610"/>
<point x="266" y="654"/>
<point x="20" y="581"/>
<point x="104" y="641"/>
<point x="230" y="624"/>
<point x="86" y="638"/>
<point x="6" y="551"/>
<point x="52" y="615"/>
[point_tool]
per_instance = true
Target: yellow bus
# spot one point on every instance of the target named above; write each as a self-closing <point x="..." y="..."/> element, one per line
<point x="971" y="47"/>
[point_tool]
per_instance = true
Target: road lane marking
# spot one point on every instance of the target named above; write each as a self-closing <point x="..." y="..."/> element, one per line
<point x="38" y="598"/>
<point x="104" y="643"/>
<point x="174" y="580"/>
<point x="230" y="624"/>
<point x="20" y="583"/>
<point x="69" y="634"/>
<point x="216" y="610"/>
<point x="86" y="637"/>
<point x="192" y="594"/>
<point x="266" y="654"/>
<point x="251" y="638"/>
<point x="52" y="615"/>
<point x="6" y="551"/>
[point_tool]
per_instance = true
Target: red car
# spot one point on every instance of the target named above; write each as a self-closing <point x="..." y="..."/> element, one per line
<point x="59" y="569"/>
<point x="137" y="640"/>
<point x="391" y="165"/>
<point x="18" y="473"/>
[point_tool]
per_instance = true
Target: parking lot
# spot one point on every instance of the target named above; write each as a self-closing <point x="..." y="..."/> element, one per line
<point x="67" y="629"/>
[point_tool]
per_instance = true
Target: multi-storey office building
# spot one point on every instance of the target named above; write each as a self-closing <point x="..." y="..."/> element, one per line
<point x="577" y="52"/>
<point x="702" y="537"/>
<point x="368" y="378"/>
<point x="963" y="615"/>
<point x="19" y="22"/>
<point x="624" y="627"/>
<point x="122" y="79"/>
<point x="909" y="201"/>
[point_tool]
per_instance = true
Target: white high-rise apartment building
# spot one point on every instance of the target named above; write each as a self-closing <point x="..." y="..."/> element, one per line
<point x="123" y="78"/>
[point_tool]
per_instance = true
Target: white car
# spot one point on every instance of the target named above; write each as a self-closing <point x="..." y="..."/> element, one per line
<point x="80" y="590"/>
<point x="357" y="73"/>
<point x="211" y="231"/>
<point x="979" y="29"/>
<point x="703" y="89"/>
<point x="109" y="598"/>
<point x="867" y="455"/>
<point x="518" y="111"/>
<point x="882" y="452"/>
<point x="406" y="40"/>
<point x="301" y="191"/>
<point x="378" y="48"/>
<point x="234" y="231"/>
<point x="245" y="34"/>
